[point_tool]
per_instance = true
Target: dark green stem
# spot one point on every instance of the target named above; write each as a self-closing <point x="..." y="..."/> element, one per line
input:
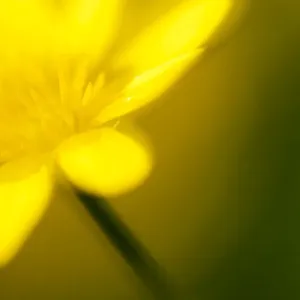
<point x="132" y="251"/>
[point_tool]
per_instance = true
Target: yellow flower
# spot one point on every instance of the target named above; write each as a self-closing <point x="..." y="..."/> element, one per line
<point x="55" y="103"/>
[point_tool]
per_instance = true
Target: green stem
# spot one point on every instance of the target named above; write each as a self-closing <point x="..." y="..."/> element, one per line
<point x="128" y="246"/>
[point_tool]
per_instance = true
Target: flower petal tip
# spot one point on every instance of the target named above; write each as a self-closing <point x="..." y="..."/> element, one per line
<point x="23" y="202"/>
<point x="104" y="162"/>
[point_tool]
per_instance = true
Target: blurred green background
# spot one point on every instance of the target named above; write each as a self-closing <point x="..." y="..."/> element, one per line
<point x="221" y="209"/>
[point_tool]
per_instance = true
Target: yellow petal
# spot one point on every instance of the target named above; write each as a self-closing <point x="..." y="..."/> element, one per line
<point x="104" y="162"/>
<point x="64" y="28"/>
<point x="147" y="87"/>
<point x="23" y="201"/>
<point x="24" y="29"/>
<point x="88" y="26"/>
<point x="186" y="27"/>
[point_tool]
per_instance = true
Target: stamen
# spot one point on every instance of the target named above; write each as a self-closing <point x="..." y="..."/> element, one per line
<point x="88" y="93"/>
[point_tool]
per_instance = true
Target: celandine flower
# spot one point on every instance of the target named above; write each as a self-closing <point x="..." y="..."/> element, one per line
<point x="55" y="101"/>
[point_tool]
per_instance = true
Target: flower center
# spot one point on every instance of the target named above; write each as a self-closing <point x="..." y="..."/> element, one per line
<point x="41" y="108"/>
<point x="46" y="94"/>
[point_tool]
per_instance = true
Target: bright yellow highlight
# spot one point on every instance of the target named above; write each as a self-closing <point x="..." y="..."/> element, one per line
<point x="104" y="162"/>
<point x="54" y="103"/>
